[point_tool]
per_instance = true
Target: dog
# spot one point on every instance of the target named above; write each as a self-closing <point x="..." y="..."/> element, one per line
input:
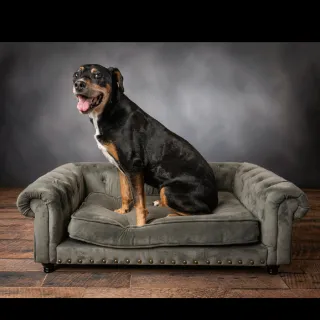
<point x="143" y="150"/>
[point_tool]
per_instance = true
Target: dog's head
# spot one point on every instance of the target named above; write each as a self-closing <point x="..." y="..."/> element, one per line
<point x="95" y="86"/>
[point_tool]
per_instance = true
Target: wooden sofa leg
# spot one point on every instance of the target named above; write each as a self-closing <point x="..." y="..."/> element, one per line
<point x="48" y="267"/>
<point x="273" y="270"/>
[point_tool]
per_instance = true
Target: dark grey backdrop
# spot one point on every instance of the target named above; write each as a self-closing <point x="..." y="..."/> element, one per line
<point x="255" y="102"/>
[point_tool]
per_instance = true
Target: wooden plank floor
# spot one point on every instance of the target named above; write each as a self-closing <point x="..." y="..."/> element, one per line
<point x="21" y="277"/>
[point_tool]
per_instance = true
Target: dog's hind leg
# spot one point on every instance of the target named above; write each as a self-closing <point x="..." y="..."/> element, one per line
<point x="182" y="200"/>
<point x="177" y="214"/>
<point x="163" y="202"/>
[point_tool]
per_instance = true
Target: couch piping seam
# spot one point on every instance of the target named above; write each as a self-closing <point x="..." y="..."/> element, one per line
<point x="153" y="224"/>
<point x="162" y="245"/>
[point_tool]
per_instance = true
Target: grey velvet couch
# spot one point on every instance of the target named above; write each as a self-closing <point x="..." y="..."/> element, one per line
<point x="74" y="221"/>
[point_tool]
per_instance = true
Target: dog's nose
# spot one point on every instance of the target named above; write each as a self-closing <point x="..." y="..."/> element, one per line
<point x="80" y="85"/>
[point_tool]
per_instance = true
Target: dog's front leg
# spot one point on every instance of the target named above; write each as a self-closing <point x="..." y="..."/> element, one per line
<point x="137" y="182"/>
<point x="126" y="197"/>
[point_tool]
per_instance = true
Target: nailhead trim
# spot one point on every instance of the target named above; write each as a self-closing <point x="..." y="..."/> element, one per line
<point x="219" y="262"/>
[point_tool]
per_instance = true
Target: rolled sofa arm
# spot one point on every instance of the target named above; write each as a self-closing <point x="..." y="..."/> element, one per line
<point x="51" y="200"/>
<point x="276" y="202"/>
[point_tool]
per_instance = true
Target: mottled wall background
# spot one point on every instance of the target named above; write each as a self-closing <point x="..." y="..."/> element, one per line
<point x="255" y="102"/>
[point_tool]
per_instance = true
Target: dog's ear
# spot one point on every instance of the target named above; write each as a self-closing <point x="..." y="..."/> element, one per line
<point x="117" y="77"/>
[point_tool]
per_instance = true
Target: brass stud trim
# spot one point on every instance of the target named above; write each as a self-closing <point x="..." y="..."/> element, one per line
<point x="115" y="261"/>
<point x="251" y="262"/>
<point x="69" y="260"/>
<point x="240" y="261"/>
<point x="173" y="262"/>
<point x="91" y="261"/>
<point x="261" y="261"/>
<point x="80" y="261"/>
<point x="184" y="262"/>
<point x="151" y="261"/>
<point x="127" y="261"/>
<point x="208" y="261"/>
<point x="229" y="261"/>
<point x="104" y="260"/>
<point x="161" y="261"/>
<point x="59" y="261"/>
<point x="195" y="261"/>
<point x="139" y="261"/>
<point x="219" y="261"/>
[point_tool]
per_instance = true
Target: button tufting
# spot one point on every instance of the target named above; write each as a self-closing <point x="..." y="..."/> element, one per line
<point x="59" y="261"/>
<point x="151" y="261"/>
<point x="161" y="261"/>
<point x="139" y="261"/>
<point x="91" y="261"/>
<point x="127" y="261"/>
<point x="240" y="261"/>
<point x="208" y="261"/>
<point x="173" y="262"/>
<point x="219" y="261"/>
<point x="69" y="260"/>
<point x="251" y="262"/>
<point x="115" y="261"/>
<point x="195" y="261"/>
<point x="80" y="261"/>
<point x="104" y="260"/>
<point x="184" y="262"/>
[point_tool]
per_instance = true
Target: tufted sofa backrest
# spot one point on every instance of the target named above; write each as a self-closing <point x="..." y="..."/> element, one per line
<point x="225" y="173"/>
<point x="104" y="177"/>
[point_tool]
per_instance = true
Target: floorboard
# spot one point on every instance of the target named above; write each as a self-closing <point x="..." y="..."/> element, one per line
<point x="19" y="265"/>
<point x="88" y="279"/>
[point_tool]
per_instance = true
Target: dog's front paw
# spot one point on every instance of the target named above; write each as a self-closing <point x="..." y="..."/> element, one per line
<point x="142" y="217"/>
<point x="122" y="210"/>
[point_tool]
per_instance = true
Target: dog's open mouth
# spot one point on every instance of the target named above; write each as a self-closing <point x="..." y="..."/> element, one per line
<point x="85" y="103"/>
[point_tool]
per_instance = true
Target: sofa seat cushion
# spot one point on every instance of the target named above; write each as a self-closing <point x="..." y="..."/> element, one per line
<point x="95" y="222"/>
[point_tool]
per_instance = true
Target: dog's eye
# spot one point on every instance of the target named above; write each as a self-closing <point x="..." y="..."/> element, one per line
<point x="76" y="74"/>
<point x="97" y="76"/>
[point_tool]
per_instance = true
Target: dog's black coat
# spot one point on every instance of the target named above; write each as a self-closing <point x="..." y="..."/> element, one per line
<point x="145" y="145"/>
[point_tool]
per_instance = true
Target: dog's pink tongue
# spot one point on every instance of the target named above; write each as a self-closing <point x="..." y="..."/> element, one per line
<point x="83" y="104"/>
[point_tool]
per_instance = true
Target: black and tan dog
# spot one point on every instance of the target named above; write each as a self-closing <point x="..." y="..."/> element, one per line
<point x="143" y="149"/>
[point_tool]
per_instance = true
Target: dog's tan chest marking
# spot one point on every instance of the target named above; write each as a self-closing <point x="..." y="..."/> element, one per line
<point x="107" y="150"/>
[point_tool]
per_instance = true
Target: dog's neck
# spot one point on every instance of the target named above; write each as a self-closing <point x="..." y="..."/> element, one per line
<point x="106" y="112"/>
